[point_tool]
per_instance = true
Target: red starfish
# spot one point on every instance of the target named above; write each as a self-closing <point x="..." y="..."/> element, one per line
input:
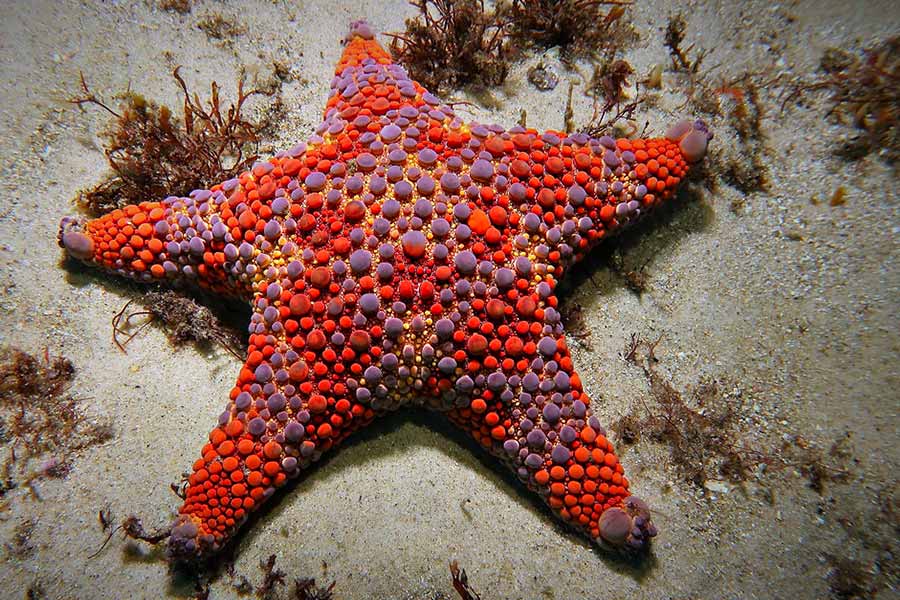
<point x="401" y="256"/>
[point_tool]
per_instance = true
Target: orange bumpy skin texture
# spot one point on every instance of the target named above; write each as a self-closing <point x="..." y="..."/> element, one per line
<point x="401" y="256"/>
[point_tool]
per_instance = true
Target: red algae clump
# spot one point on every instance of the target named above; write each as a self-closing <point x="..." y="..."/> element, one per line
<point x="153" y="153"/>
<point x="580" y="28"/>
<point x="454" y="42"/>
<point x="41" y="423"/>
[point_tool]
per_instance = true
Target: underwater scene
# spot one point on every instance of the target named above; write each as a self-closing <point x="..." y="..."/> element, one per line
<point x="449" y="300"/>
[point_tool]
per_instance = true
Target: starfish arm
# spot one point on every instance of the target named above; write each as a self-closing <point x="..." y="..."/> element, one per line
<point x="575" y="191"/>
<point x="288" y="407"/>
<point x="367" y="80"/>
<point x="192" y="241"/>
<point x="534" y="415"/>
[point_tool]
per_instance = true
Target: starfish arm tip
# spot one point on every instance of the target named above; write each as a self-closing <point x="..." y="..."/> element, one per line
<point x="185" y="543"/>
<point x="692" y="138"/>
<point x="627" y="528"/>
<point x="360" y="29"/>
<point x="73" y="240"/>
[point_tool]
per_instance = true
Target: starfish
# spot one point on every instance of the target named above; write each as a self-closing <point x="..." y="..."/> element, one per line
<point x="400" y="257"/>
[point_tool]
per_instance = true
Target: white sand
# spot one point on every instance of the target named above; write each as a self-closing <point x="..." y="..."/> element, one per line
<point x="805" y="328"/>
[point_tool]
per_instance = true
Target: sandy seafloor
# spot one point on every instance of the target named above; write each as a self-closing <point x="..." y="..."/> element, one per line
<point x="793" y="306"/>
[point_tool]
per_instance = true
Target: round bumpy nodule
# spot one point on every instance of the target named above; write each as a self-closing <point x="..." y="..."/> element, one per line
<point x="186" y="544"/>
<point x="628" y="528"/>
<point x="692" y="138"/>
<point x="73" y="240"/>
